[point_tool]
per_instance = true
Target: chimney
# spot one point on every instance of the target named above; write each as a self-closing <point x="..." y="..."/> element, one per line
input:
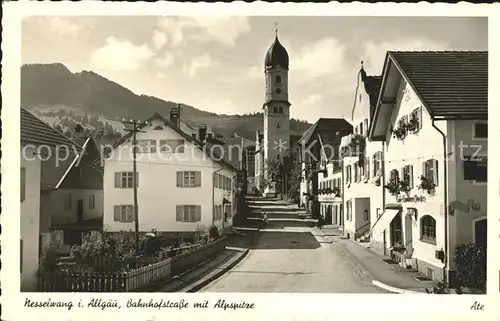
<point x="202" y="133"/>
<point x="79" y="131"/>
<point x="210" y="136"/>
<point x="175" y="116"/>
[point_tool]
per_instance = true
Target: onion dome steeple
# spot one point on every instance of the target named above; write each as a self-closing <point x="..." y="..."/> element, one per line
<point x="276" y="55"/>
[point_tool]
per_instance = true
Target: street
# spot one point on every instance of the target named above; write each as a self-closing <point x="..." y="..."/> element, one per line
<point x="299" y="260"/>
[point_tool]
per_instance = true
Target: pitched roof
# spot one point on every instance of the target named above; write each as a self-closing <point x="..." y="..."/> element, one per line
<point x="34" y="130"/>
<point x="452" y="84"/>
<point x="80" y="173"/>
<point x="326" y="124"/>
<point x="188" y="138"/>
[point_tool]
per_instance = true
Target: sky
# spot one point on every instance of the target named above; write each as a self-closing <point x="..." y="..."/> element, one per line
<point x="217" y="63"/>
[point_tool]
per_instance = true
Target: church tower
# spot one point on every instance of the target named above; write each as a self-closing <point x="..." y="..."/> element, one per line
<point x="276" y="106"/>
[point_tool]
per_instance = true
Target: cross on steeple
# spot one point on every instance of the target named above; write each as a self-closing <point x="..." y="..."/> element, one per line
<point x="276" y="28"/>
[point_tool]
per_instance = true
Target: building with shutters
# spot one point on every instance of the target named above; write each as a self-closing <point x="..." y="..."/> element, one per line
<point x="184" y="184"/>
<point x="432" y="118"/>
<point x="363" y="191"/>
<point x="40" y="159"/>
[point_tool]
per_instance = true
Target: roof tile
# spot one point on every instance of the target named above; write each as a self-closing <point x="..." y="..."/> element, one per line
<point x="453" y="84"/>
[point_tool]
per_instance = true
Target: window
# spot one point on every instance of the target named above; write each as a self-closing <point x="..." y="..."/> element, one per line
<point x="218" y="212"/>
<point x="367" y="168"/>
<point x="408" y="175"/>
<point x="417" y="115"/>
<point x="188" y="213"/>
<point x="189" y="179"/>
<point x="430" y="170"/>
<point x="349" y="210"/>
<point x="361" y="132"/>
<point x="394" y="175"/>
<point x="403" y="120"/>
<point x="275" y="110"/>
<point x="348" y="174"/>
<point x="23" y="184"/>
<point x="278" y="90"/>
<point x="377" y="162"/>
<point x="91" y="201"/>
<point x="146" y="146"/>
<point x="67" y="202"/>
<point x="480" y="130"/>
<point x="278" y="79"/>
<point x="356" y="172"/>
<point x="172" y="146"/>
<point x="428" y="229"/>
<point x="124" y="213"/>
<point x="280" y="110"/>
<point x="339" y="182"/>
<point x="125" y="179"/>
<point x="476" y="169"/>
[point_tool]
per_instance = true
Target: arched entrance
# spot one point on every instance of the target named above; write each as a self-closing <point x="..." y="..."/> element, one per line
<point x="481" y="232"/>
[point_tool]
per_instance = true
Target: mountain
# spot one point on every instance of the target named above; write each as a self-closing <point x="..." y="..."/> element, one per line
<point x="47" y="88"/>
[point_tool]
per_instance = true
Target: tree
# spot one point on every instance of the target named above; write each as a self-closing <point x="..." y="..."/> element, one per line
<point x="285" y="175"/>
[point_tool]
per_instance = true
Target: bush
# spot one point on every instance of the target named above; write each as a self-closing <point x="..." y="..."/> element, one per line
<point x="214" y="232"/>
<point x="48" y="259"/>
<point x="470" y="261"/>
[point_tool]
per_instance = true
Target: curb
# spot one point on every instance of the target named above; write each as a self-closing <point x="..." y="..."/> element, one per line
<point x="204" y="282"/>
<point x="392" y="289"/>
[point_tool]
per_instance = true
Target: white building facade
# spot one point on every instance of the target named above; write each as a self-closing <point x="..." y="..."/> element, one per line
<point x="363" y="192"/>
<point x="179" y="187"/>
<point x="434" y="159"/>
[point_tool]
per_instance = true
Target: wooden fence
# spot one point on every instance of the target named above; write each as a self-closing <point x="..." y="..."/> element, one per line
<point x="132" y="280"/>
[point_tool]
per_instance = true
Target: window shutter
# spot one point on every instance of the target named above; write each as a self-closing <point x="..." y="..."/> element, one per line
<point x="179" y="179"/>
<point x="435" y="175"/>
<point x="367" y="168"/>
<point x="197" y="179"/>
<point x="118" y="180"/>
<point x="410" y="172"/>
<point x="117" y="213"/>
<point x="197" y="213"/>
<point x="419" y="117"/>
<point x="179" y="212"/>
<point x="136" y="179"/>
<point x="424" y="169"/>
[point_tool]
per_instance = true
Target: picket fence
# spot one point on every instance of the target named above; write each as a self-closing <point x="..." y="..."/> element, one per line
<point x="129" y="281"/>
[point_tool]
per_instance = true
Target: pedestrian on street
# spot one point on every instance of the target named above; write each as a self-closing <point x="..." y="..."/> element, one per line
<point x="264" y="218"/>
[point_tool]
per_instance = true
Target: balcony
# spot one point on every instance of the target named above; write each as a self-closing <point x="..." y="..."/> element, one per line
<point x="353" y="145"/>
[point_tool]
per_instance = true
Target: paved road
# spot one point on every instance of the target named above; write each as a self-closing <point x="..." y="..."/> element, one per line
<point x="294" y="261"/>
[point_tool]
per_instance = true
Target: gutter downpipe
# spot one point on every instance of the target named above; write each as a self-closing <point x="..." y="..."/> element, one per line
<point x="445" y="194"/>
<point x="382" y="169"/>
<point x="342" y="210"/>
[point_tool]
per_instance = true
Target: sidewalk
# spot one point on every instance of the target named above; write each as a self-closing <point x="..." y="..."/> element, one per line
<point x="389" y="277"/>
<point x="200" y="276"/>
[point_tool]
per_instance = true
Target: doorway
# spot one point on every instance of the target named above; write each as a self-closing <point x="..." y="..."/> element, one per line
<point x="328" y="216"/>
<point x="79" y="210"/>
<point x="396" y="230"/>
<point x="480" y="232"/>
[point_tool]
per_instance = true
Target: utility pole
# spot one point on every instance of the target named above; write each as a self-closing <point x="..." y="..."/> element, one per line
<point x="136" y="125"/>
